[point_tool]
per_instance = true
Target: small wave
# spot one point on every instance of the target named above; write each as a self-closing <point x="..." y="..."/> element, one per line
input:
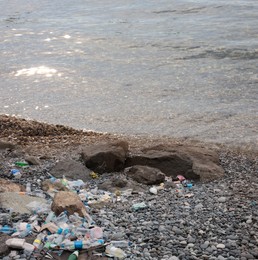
<point x="237" y="54"/>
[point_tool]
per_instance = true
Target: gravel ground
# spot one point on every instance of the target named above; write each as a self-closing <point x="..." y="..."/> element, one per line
<point x="218" y="220"/>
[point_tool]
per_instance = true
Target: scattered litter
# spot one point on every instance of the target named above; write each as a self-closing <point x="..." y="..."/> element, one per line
<point x="138" y="206"/>
<point x="16" y="173"/>
<point x="21" y="164"/>
<point x="153" y="190"/>
<point x="74" y="256"/>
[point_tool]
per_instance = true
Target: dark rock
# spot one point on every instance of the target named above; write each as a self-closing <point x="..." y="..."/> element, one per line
<point x="32" y="160"/>
<point x="146" y="175"/>
<point x="71" y="169"/>
<point x="105" y="157"/>
<point x="118" y="182"/>
<point x="4" y="249"/>
<point x="190" y="161"/>
<point x="6" y="145"/>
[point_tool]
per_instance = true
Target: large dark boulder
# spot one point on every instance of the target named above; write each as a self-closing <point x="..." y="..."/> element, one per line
<point x="71" y="169"/>
<point x="193" y="162"/>
<point x="105" y="157"/>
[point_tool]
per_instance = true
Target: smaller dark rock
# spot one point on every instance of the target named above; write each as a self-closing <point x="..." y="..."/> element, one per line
<point x="6" y="145"/>
<point x="146" y="175"/>
<point x="32" y="160"/>
<point x="71" y="169"/>
<point x="4" y="249"/>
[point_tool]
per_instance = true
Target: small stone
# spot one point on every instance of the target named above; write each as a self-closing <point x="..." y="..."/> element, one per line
<point x="173" y="258"/>
<point x="222" y="199"/>
<point x="199" y="206"/>
<point x="205" y="245"/>
<point x="221" y="246"/>
<point x="191" y="239"/>
<point x="249" y="221"/>
<point x="177" y="230"/>
<point x="190" y="245"/>
<point x="220" y="257"/>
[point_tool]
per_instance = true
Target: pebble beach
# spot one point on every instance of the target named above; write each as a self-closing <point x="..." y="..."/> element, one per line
<point x="211" y="220"/>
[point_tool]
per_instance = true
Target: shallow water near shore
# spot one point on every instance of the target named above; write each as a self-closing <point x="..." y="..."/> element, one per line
<point x="166" y="68"/>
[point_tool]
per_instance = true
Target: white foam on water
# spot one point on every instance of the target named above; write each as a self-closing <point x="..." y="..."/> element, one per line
<point x="67" y="36"/>
<point x="41" y="70"/>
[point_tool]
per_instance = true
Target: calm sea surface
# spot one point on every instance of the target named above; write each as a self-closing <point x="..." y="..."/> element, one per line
<point x="164" y="68"/>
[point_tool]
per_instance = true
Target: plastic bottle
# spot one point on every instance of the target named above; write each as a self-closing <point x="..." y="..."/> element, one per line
<point x="21" y="164"/>
<point x="7" y="230"/>
<point x="38" y="193"/>
<point x="121" y="243"/>
<point x="96" y="233"/>
<point x="23" y="225"/>
<point x="58" y="240"/>
<point x="16" y="173"/>
<point x="64" y="181"/>
<point x="76" y="184"/>
<point x="38" y="241"/>
<point x="19" y="244"/>
<point x="25" y="232"/>
<point x="28" y="187"/>
<point x="63" y="231"/>
<point x="62" y="218"/>
<point x="81" y="244"/>
<point x="51" y="216"/>
<point x="82" y="230"/>
<point x="73" y="256"/>
<point x="114" y="251"/>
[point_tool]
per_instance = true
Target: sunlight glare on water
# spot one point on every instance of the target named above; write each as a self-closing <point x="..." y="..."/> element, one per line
<point x="164" y="68"/>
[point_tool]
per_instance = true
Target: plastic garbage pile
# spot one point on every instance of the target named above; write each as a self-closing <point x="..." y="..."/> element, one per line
<point x="55" y="234"/>
<point x="59" y="233"/>
<point x="182" y="185"/>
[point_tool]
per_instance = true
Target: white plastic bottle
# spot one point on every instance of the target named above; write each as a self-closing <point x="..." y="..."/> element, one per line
<point x="28" y="187"/>
<point x="116" y="252"/>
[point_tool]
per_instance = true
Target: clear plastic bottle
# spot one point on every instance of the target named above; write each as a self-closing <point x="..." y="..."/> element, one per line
<point x="25" y="232"/>
<point x="7" y="230"/>
<point x="96" y="233"/>
<point x="50" y="217"/>
<point x="28" y="187"/>
<point x="114" y="251"/>
<point x="38" y="241"/>
<point x="121" y="243"/>
<point x="62" y="218"/>
<point x="81" y="244"/>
